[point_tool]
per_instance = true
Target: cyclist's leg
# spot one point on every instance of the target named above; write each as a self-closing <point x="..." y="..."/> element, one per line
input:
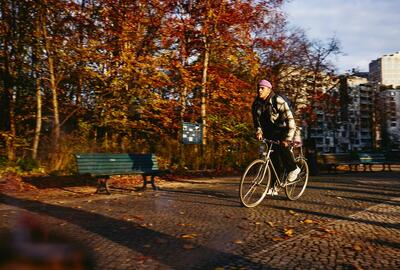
<point x="287" y="158"/>
<point x="276" y="160"/>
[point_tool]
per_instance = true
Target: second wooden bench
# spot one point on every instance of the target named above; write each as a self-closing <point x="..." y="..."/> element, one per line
<point x="333" y="160"/>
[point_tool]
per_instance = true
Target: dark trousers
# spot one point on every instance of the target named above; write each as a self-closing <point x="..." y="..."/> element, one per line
<point x="283" y="159"/>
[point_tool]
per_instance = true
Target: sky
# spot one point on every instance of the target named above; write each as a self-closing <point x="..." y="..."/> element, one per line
<point x="366" y="29"/>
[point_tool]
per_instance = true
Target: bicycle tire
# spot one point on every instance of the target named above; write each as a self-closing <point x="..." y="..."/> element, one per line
<point x="254" y="183"/>
<point x="295" y="189"/>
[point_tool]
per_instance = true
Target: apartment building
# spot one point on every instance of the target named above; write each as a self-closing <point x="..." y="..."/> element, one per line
<point x="348" y="126"/>
<point x="385" y="79"/>
<point x="385" y="70"/>
<point x="360" y="114"/>
<point x="389" y="102"/>
<point x="369" y="113"/>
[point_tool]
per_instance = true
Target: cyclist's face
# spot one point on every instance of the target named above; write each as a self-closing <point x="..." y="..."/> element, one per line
<point x="264" y="91"/>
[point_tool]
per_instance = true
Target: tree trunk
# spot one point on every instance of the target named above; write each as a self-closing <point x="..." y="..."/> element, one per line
<point x="53" y="87"/>
<point x="36" y="65"/>
<point x="10" y="134"/>
<point x="38" y="127"/>
<point x="13" y="131"/>
<point x="204" y="91"/>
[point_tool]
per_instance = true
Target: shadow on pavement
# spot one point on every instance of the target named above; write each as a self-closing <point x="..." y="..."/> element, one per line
<point x="174" y="195"/>
<point x="338" y="217"/>
<point x="43" y="182"/>
<point x="386" y="243"/>
<point x="135" y="237"/>
<point x="350" y="189"/>
<point x="371" y="200"/>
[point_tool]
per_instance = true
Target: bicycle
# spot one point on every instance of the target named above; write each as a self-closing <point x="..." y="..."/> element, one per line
<point x="256" y="179"/>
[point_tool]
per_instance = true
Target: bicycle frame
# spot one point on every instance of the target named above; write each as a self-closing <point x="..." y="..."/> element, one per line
<point x="267" y="158"/>
<point x="252" y="180"/>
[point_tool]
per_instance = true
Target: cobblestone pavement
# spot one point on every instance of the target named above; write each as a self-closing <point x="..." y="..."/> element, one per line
<point x="343" y="221"/>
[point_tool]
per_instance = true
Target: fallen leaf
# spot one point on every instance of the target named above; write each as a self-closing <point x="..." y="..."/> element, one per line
<point x="277" y="238"/>
<point x="184" y="224"/>
<point x="293" y="213"/>
<point x="257" y="223"/>
<point x="357" y="247"/>
<point x="181" y="212"/>
<point x="308" y="221"/>
<point x="239" y="242"/>
<point x="270" y="223"/>
<point x="189" y="235"/>
<point x="289" y="232"/>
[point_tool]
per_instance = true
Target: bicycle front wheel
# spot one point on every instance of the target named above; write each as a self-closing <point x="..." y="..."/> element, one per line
<point x="296" y="188"/>
<point x="254" y="183"/>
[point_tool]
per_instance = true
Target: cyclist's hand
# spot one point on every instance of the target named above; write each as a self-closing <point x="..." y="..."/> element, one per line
<point x="259" y="136"/>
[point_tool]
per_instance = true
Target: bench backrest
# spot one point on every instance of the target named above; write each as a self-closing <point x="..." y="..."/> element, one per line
<point x="371" y="157"/>
<point x="337" y="158"/>
<point x="112" y="164"/>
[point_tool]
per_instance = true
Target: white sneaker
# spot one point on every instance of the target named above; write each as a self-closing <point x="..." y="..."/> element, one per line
<point x="272" y="191"/>
<point x="293" y="174"/>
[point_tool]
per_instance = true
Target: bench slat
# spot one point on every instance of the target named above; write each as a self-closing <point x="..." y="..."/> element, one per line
<point x="373" y="158"/>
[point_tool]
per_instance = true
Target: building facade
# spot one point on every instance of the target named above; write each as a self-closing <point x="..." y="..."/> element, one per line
<point x="389" y="102"/>
<point x="349" y="127"/>
<point x="368" y="116"/>
<point x="385" y="79"/>
<point x="385" y="70"/>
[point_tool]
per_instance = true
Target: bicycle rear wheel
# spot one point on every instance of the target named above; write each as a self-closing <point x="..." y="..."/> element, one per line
<point x="254" y="183"/>
<point x="296" y="188"/>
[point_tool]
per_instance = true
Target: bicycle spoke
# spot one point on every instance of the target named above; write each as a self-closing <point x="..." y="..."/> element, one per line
<point x="254" y="183"/>
<point x="296" y="188"/>
<point x="252" y="189"/>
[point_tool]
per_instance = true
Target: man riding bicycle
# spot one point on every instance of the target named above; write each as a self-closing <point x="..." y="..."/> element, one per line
<point x="275" y="123"/>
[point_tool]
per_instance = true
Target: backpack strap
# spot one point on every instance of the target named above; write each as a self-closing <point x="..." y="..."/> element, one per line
<point x="275" y="101"/>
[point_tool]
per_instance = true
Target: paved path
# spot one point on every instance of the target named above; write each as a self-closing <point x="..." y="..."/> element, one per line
<point x="344" y="221"/>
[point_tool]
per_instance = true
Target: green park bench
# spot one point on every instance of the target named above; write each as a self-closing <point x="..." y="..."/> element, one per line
<point x="333" y="160"/>
<point x="369" y="159"/>
<point x="104" y="165"/>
